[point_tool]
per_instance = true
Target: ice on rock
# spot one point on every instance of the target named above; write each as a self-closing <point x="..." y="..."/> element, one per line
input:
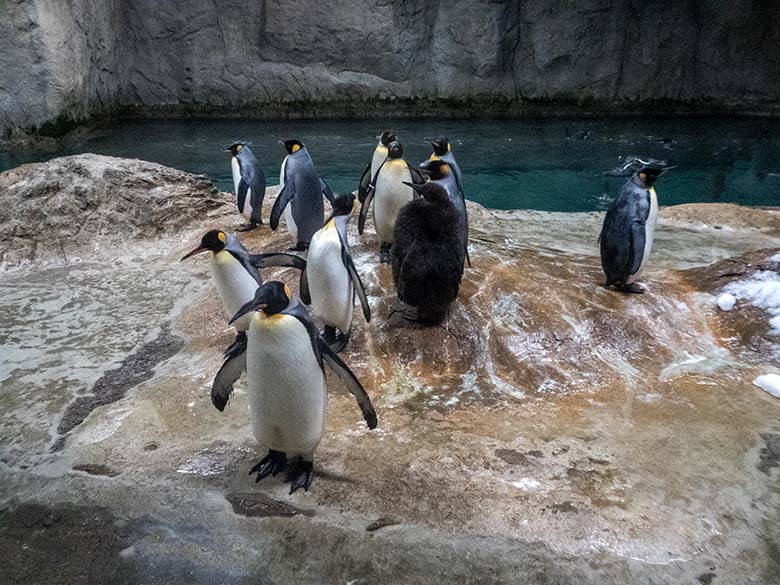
<point x="762" y="290"/>
<point x="770" y="383"/>
<point x="726" y="301"/>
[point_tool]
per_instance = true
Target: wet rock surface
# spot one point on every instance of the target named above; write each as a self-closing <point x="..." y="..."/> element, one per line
<point x="548" y="431"/>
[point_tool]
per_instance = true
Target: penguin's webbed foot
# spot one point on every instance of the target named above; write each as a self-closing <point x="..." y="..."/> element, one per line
<point x="335" y="338"/>
<point x="407" y="312"/>
<point x="384" y="253"/>
<point x="299" y="247"/>
<point x="632" y="289"/>
<point x="299" y="474"/>
<point x="248" y="226"/>
<point x="271" y="464"/>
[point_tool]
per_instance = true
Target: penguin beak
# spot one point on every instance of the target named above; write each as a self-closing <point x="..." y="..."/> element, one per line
<point x="198" y="250"/>
<point x="665" y="169"/>
<point x="413" y="186"/>
<point x="253" y="305"/>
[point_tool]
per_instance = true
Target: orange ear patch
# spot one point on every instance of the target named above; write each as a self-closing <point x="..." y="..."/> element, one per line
<point x="221" y="236"/>
<point x="288" y="292"/>
<point x="295" y="148"/>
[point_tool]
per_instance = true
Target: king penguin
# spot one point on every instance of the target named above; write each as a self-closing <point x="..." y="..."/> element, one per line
<point x="390" y="187"/>
<point x="440" y="172"/>
<point x="380" y="154"/>
<point x="330" y="281"/>
<point x="285" y="358"/>
<point x="248" y="180"/>
<point x="301" y="194"/>
<point x="427" y="255"/>
<point x="236" y="276"/>
<point x="626" y="238"/>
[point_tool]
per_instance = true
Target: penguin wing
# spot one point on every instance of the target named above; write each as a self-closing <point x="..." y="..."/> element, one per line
<point x="231" y="370"/>
<point x="258" y="194"/>
<point x="278" y="259"/>
<point x="243" y="187"/>
<point x="365" y="181"/>
<point x="326" y="190"/>
<point x="637" y="245"/>
<point x="622" y="239"/>
<point x="350" y="381"/>
<point x="284" y="197"/>
<point x="349" y="264"/>
<point x="303" y="287"/>
<point x="238" y="252"/>
<point x="364" y="209"/>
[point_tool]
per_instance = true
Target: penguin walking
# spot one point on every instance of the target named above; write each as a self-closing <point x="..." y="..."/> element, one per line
<point x="285" y="358"/>
<point x="248" y="181"/>
<point x="427" y="255"/>
<point x="626" y="238"/>
<point x="301" y="194"/>
<point x="390" y="187"/>
<point x="330" y="281"/>
<point x="379" y="156"/>
<point x="236" y="275"/>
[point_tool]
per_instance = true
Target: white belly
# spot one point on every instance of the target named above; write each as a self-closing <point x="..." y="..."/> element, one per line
<point x="380" y="154"/>
<point x="391" y="195"/>
<point x="287" y="393"/>
<point x="652" y="218"/>
<point x="235" y="285"/>
<point x="236" y="180"/>
<point x="329" y="283"/>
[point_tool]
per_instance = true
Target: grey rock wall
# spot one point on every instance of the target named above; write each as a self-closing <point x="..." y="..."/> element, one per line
<point x="64" y="59"/>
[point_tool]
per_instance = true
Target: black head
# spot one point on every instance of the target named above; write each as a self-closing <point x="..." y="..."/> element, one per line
<point x="388" y="136"/>
<point x="395" y="150"/>
<point x="649" y="175"/>
<point x="441" y="145"/>
<point x="291" y="146"/>
<point x="271" y="298"/>
<point x="213" y="241"/>
<point x="436" y="169"/>
<point x="432" y="192"/>
<point x="235" y="147"/>
<point x="343" y="204"/>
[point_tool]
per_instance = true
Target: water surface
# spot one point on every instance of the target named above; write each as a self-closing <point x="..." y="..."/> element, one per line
<point x="549" y="164"/>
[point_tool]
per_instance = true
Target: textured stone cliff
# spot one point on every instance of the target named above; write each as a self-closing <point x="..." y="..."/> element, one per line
<point x="75" y="59"/>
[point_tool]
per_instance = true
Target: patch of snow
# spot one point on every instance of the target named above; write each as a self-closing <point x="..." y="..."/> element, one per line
<point x="762" y="290"/>
<point x="726" y="301"/>
<point x="770" y="383"/>
<point x="775" y="258"/>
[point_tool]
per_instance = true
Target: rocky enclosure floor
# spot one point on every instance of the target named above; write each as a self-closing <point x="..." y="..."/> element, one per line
<point x="549" y="431"/>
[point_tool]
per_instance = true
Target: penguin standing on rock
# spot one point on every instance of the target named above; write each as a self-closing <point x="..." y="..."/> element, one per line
<point x="626" y="238"/>
<point x="427" y="255"/>
<point x="301" y="194"/>
<point x="248" y="182"/>
<point x="285" y="360"/>
<point x="380" y="154"/>
<point x="331" y="281"/>
<point x="390" y="187"/>
<point x="236" y="275"/>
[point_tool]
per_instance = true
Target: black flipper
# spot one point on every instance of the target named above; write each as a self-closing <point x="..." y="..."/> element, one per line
<point x="350" y="381"/>
<point x="284" y="197"/>
<point x="277" y="259"/>
<point x="637" y="245"/>
<point x="256" y="199"/>
<point x="365" y="181"/>
<point x="349" y="264"/>
<point x="326" y="190"/>
<point x="364" y="210"/>
<point x="231" y="370"/>
<point x="242" y="189"/>
<point x="303" y="287"/>
<point x="417" y="178"/>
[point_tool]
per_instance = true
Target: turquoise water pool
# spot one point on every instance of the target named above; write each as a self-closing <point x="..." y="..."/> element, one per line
<point x="553" y="164"/>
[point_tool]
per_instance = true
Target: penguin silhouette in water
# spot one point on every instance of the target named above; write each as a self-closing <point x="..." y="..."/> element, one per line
<point x="285" y="359"/>
<point x="427" y="255"/>
<point x="390" y="188"/>
<point x="236" y="274"/>
<point x="301" y="194"/>
<point x="248" y="183"/>
<point x="441" y="172"/>
<point x="380" y="154"/>
<point x="331" y="281"/>
<point x="626" y="238"/>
